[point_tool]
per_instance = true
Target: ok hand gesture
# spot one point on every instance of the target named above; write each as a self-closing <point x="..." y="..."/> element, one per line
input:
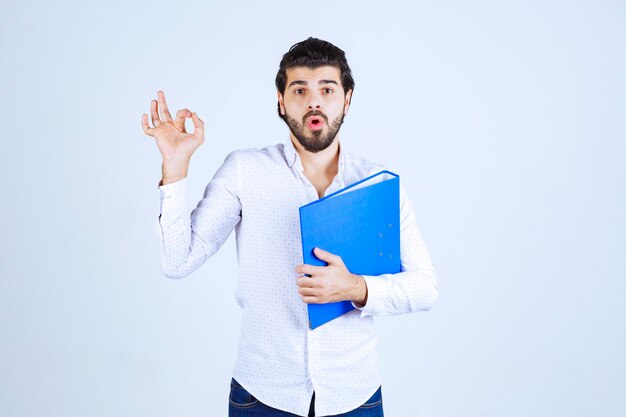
<point x="175" y="143"/>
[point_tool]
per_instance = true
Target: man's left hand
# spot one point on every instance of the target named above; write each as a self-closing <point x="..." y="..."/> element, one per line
<point x="330" y="283"/>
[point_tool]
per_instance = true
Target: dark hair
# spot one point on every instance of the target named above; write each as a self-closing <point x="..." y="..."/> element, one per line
<point x="313" y="53"/>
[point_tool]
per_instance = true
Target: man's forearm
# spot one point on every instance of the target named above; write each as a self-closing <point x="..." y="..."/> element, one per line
<point x="359" y="295"/>
<point x="173" y="171"/>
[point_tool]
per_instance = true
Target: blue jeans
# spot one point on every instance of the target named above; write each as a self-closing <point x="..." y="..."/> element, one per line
<point x="243" y="404"/>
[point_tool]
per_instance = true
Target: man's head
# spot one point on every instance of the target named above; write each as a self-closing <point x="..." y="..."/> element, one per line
<point x="314" y="87"/>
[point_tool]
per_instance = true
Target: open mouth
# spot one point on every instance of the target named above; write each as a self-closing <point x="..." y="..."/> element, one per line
<point x="315" y="122"/>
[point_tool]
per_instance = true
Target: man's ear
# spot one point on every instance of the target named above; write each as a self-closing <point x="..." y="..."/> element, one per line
<point x="346" y="105"/>
<point x="281" y="103"/>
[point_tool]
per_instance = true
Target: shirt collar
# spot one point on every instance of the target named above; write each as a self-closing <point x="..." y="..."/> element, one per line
<point x="291" y="155"/>
<point x="290" y="152"/>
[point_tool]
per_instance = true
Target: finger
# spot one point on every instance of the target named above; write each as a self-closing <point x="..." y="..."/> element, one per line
<point x="198" y="126"/>
<point x="310" y="269"/>
<point x="156" y="122"/>
<point x="144" y="124"/>
<point x="165" y="113"/>
<point x="307" y="282"/>
<point x="181" y="116"/>
<point x="310" y="300"/>
<point x="327" y="256"/>
<point x="307" y="292"/>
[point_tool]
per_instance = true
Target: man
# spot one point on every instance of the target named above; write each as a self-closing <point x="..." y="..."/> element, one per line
<point x="283" y="368"/>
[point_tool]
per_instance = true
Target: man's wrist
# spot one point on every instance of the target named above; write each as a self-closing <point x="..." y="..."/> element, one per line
<point x="169" y="180"/>
<point x="359" y="291"/>
<point x="174" y="170"/>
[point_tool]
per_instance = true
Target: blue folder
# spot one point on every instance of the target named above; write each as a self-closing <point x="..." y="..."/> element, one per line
<point x="360" y="223"/>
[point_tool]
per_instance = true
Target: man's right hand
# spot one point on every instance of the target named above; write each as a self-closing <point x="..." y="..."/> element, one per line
<point x="174" y="143"/>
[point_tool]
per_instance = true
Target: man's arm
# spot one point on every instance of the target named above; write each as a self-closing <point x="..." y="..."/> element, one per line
<point x="186" y="242"/>
<point x="412" y="289"/>
<point x="415" y="287"/>
<point x="359" y="295"/>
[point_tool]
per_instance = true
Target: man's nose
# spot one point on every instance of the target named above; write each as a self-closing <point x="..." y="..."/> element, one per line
<point x="314" y="103"/>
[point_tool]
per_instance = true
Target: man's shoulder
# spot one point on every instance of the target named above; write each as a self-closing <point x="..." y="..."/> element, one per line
<point x="256" y="154"/>
<point x="363" y="167"/>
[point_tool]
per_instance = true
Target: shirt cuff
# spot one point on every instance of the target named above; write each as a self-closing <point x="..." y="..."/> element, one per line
<point x="173" y="195"/>
<point x="377" y="289"/>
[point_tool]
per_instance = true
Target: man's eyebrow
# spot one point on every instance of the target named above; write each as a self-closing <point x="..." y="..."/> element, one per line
<point x="320" y="82"/>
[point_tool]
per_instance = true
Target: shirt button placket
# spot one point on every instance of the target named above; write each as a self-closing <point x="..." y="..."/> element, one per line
<point x="311" y="192"/>
<point x="313" y="358"/>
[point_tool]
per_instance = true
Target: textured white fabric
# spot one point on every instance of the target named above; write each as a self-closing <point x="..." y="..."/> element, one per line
<point x="281" y="362"/>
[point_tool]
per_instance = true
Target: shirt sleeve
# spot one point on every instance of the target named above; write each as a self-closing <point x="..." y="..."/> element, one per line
<point x="187" y="241"/>
<point x="415" y="287"/>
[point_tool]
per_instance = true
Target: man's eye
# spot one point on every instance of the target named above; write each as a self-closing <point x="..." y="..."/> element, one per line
<point x="328" y="90"/>
<point x="298" y="91"/>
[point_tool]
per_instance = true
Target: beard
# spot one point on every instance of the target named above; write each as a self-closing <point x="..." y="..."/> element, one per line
<point x="317" y="141"/>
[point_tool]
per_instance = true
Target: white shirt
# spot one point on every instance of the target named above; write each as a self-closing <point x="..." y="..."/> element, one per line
<point x="281" y="362"/>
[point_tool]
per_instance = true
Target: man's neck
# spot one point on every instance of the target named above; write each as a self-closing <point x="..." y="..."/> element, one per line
<point x="322" y="163"/>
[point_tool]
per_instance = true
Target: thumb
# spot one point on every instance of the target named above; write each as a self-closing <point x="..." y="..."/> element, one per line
<point x="198" y="126"/>
<point x="327" y="256"/>
<point x="181" y="116"/>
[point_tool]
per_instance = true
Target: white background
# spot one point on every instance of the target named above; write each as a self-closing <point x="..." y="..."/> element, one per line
<point x="504" y="119"/>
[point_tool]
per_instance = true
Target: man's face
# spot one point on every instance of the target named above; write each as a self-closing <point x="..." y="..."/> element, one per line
<point x="314" y="105"/>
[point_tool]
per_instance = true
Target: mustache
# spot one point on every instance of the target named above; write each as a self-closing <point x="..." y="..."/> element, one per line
<point x="315" y="113"/>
